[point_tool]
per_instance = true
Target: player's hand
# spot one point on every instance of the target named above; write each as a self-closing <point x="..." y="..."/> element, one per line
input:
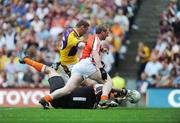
<point x="103" y="73"/>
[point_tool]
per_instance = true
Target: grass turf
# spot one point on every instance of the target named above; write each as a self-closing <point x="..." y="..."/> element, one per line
<point x="114" y="115"/>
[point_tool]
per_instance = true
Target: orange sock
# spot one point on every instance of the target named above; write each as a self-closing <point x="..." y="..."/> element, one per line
<point x="48" y="98"/>
<point x="104" y="97"/>
<point x="38" y="66"/>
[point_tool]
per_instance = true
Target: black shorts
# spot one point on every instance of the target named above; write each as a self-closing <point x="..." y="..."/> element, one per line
<point x="55" y="83"/>
<point x="80" y="98"/>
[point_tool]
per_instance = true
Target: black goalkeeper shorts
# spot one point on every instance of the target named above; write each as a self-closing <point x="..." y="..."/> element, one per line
<point x="80" y="98"/>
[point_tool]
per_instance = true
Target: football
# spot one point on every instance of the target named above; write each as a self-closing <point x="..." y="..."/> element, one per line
<point x="133" y="96"/>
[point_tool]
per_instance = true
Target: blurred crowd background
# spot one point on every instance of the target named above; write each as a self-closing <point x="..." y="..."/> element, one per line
<point x="34" y="25"/>
<point x="160" y="66"/>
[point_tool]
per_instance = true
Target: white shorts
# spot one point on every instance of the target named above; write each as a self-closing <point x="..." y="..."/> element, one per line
<point x="85" y="68"/>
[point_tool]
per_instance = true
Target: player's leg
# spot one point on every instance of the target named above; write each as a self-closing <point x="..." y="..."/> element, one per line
<point x="107" y="86"/>
<point x="23" y="58"/>
<point x="88" y="69"/>
<point x="88" y="82"/>
<point x="72" y="83"/>
<point x="41" y="67"/>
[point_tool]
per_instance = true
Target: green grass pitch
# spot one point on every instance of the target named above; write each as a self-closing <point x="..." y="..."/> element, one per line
<point x="111" y="115"/>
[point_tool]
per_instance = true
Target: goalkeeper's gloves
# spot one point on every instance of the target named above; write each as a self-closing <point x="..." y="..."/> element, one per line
<point x="103" y="73"/>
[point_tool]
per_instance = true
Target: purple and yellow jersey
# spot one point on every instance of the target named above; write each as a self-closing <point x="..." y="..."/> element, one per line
<point x="69" y="47"/>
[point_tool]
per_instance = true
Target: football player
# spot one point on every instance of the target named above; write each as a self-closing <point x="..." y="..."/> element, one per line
<point x="69" y="43"/>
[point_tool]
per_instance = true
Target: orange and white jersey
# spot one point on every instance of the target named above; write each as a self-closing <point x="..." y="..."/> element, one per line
<point x="93" y="44"/>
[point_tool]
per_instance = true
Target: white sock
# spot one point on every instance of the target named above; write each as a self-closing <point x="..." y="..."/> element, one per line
<point x="107" y="88"/>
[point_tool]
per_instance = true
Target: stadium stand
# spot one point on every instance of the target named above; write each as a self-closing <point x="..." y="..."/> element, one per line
<point x="35" y="25"/>
<point x="166" y="50"/>
<point x="162" y="70"/>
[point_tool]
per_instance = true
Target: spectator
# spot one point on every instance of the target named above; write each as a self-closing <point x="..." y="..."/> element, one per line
<point x="143" y="56"/>
<point x="175" y="78"/>
<point x="19" y="9"/>
<point x="56" y="27"/>
<point x="164" y="74"/>
<point x="37" y="24"/>
<point x="30" y="13"/>
<point x="2" y="79"/>
<point x="43" y="34"/>
<point x="152" y="68"/>
<point x="165" y="27"/>
<point x="27" y="78"/>
<point x="11" y="72"/>
<point x="161" y="45"/>
<point x="122" y="20"/>
<point x="117" y="34"/>
<point x="10" y="37"/>
<point x="3" y="60"/>
<point x="2" y="39"/>
<point x="175" y="73"/>
<point x="143" y="83"/>
<point x="42" y="11"/>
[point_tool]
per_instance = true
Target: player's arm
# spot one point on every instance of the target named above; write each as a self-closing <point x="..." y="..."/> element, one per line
<point x="95" y="53"/>
<point x="97" y="60"/>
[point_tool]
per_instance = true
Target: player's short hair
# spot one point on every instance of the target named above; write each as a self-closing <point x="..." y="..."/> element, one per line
<point x="101" y="28"/>
<point x="82" y="23"/>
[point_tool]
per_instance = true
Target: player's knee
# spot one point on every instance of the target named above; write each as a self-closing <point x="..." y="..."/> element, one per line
<point x="109" y="79"/>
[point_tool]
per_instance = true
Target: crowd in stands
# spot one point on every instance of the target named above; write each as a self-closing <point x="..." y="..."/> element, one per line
<point x="160" y="67"/>
<point x="34" y="25"/>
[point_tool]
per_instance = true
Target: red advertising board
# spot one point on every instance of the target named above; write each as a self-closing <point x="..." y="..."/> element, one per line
<point x="21" y="97"/>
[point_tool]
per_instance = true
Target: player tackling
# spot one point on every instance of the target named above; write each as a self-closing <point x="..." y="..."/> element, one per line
<point x="89" y="67"/>
<point x="83" y="97"/>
